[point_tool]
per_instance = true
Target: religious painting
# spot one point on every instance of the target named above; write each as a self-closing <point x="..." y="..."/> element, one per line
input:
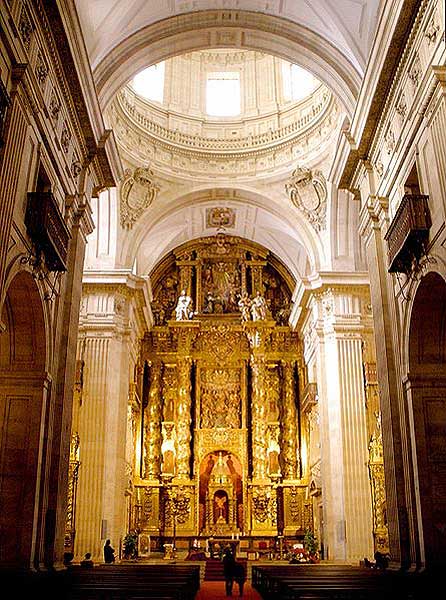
<point x="220" y="491"/>
<point x="221" y="287"/>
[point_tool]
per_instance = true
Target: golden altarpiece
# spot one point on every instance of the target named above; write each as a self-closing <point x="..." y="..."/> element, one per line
<point x="220" y="424"/>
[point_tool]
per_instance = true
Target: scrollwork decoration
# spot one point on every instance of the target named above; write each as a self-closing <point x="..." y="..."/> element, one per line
<point x="307" y="190"/>
<point x="138" y="191"/>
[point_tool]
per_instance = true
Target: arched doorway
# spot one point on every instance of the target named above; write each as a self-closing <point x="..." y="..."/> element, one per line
<point x="426" y="388"/>
<point x="22" y="395"/>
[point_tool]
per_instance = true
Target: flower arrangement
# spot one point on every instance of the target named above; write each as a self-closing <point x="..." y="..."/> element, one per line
<point x="130" y="545"/>
<point x="311" y="546"/>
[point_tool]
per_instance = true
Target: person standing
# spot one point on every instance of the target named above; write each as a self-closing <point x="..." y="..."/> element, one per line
<point x="228" y="570"/>
<point x="109" y="553"/>
<point x="239" y="576"/>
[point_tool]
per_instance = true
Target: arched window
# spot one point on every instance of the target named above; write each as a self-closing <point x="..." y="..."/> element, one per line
<point x="149" y="83"/>
<point x="297" y="82"/>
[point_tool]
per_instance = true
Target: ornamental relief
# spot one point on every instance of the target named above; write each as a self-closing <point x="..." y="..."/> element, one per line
<point x="221" y="342"/>
<point x="307" y="190"/>
<point x="220" y="398"/>
<point x="138" y="191"/>
<point x="264" y="504"/>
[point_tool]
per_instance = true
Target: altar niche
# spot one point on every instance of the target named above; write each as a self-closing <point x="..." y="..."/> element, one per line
<point x="220" y="494"/>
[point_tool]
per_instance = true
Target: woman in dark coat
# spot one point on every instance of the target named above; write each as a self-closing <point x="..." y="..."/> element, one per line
<point x="228" y="570"/>
<point x="109" y="553"/>
<point x="239" y="576"/>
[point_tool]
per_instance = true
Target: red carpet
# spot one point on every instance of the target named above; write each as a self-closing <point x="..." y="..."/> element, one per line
<point x="215" y="590"/>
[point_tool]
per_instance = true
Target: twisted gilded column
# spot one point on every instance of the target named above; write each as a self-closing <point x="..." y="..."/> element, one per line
<point x="153" y="440"/>
<point x="184" y="417"/>
<point x="258" y="417"/>
<point x="288" y="417"/>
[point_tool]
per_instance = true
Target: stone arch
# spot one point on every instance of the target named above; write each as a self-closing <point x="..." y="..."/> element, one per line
<point x="426" y="392"/>
<point x="228" y="29"/>
<point x="24" y="389"/>
<point x="151" y="234"/>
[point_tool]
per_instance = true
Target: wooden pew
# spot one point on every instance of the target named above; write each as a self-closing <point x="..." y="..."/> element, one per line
<point x="305" y="582"/>
<point x="134" y="582"/>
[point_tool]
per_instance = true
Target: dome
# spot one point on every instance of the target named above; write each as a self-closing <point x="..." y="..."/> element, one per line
<point x="224" y="84"/>
<point x="187" y="115"/>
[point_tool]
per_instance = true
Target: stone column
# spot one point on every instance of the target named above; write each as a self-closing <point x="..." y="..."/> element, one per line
<point x="111" y="325"/>
<point x="394" y="420"/>
<point x="184" y="417"/>
<point x="152" y="418"/>
<point x="79" y="217"/>
<point x="339" y="317"/>
<point x="289" y="424"/>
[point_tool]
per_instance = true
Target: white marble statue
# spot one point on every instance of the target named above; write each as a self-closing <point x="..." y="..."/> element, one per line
<point x="183" y="310"/>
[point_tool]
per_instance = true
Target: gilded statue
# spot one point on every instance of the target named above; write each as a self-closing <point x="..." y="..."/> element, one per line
<point x="244" y="305"/>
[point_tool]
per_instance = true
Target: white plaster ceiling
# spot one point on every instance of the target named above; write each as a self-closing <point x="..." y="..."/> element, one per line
<point x="280" y="231"/>
<point x="347" y="24"/>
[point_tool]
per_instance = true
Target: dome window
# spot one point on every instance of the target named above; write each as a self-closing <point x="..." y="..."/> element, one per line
<point x="223" y="94"/>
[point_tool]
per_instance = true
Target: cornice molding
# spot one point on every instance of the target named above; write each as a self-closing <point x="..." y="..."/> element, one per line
<point x="369" y="112"/>
<point x="69" y="60"/>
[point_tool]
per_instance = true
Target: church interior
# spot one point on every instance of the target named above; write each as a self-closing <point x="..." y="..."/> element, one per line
<point x="223" y="281"/>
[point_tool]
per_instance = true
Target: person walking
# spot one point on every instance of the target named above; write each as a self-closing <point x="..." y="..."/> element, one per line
<point x="228" y="570"/>
<point x="239" y="576"/>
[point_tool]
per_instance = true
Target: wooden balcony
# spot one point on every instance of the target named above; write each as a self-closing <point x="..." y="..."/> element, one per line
<point x="408" y="233"/>
<point x="47" y="230"/>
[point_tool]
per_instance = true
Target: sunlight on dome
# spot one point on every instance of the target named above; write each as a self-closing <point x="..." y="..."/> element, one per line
<point x="297" y="82"/>
<point x="223" y="94"/>
<point x="149" y="83"/>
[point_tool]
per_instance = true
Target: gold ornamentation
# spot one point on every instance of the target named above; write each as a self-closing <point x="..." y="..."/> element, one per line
<point x="220" y="216"/>
<point x="153" y="425"/>
<point x="258" y="422"/>
<point x="73" y="475"/>
<point x="262" y="504"/>
<point x="376" y="470"/>
<point x="289" y="423"/>
<point x="184" y="418"/>
<point x="179" y="504"/>
<point x="220" y="398"/>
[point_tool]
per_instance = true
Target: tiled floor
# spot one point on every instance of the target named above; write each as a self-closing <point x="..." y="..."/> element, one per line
<point x="215" y="590"/>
